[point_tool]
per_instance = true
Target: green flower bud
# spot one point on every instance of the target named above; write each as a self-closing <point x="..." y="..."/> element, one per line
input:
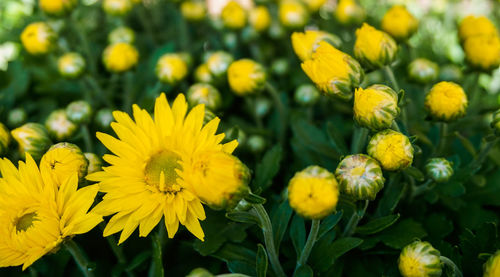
<point x="32" y="138"/>
<point x="95" y="162"/>
<point x="71" y="65"/>
<point x="256" y="143"/>
<point x="117" y="7"/>
<point x="420" y="259"/>
<point x="306" y="95"/>
<point x="375" y="107"/>
<point x="209" y="115"/>
<point x="439" y="169"/>
<point x="423" y="71"/>
<point x="121" y="34"/>
<point x="103" y="118"/>
<point x="450" y="73"/>
<point x="79" y="112"/>
<point x="495" y="123"/>
<point x="236" y="133"/>
<point x="202" y="74"/>
<point x="262" y="106"/>
<point x="59" y="126"/>
<point x="492" y="266"/>
<point x="200" y="272"/>
<point x="62" y="160"/>
<point x="219" y="62"/>
<point x="204" y="94"/>
<point x="16" y="117"/>
<point x="360" y="176"/>
<point x="280" y="67"/>
<point x="276" y="31"/>
<point x="4" y="139"/>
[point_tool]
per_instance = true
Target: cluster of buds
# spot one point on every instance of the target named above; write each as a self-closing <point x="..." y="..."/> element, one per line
<point x="481" y="42"/>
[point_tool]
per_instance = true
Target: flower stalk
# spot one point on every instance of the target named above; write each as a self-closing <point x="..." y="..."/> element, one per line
<point x="450" y="263"/>
<point x="311" y="240"/>
<point x="79" y="257"/>
<point x="357" y="215"/>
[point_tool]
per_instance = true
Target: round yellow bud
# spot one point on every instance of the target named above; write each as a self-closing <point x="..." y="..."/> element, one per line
<point x="476" y="26"/>
<point x="259" y="18"/>
<point x="204" y="94"/>
<point x="375" y="107"/>
<point x="62" y="161"/>
<point x="121" y="34"/>
<point x="38" y="38"/>
<point x="234" y="16"/>
<point x="304" y="44"/>
<point x="71" y="65"/>
<point x="446" y="101"/>
<point x="171" y="68"/>
<point x="57" y="7"/>
<point x="120" y="57"/>
<point x="218" y="62"/>
<point x="374" y="48"/>
<point x="492" y="266"/>
<point x="117" y="7"/>
<point x="193" y="10"/>
<point x="202" y="74"/>
<point x="293" y="14"/>
<point x="399" y="23"/>
<point x="59" y="125"/>
<point x="483" y="52"/>
<point x="4" y="139"/>
<point x="391" y="149"/>
<point x="334" y="72"/>
<point x="95" y="162"/>
<point x="349" y="12"/>
<point x="314" y="5"/>
<point x="313" y="192"/>
<point x="420" y="259"/>
<point x="246" y="76"/>
<point x="32" y="138"/>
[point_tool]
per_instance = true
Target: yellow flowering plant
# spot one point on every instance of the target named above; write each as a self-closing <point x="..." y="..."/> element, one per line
<point x="374" y="48"/>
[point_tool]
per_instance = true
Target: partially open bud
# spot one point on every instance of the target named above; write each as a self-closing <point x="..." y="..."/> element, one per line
<point x="304" y="44"/>
<point x="103" y="118"/>
<point x="234" y="16"/>
<point x="306" y="95"/>
<point x="4" y="139"/>
<point x="32" y="138"/>
<point x="348" y="12"/>
<point x="210" y="168"/>
<point x="439" y="169"/>
<point x="121" y="34"/>
<point x="120" y="57"/>
<point x="314" y="5"/>
<point x="446" y="101"/>
<point x="59" y="126"/>
<point x="193" y="10"/>
<point x="391" y="149"/>
<point x="492" y="266"/>
<point x="246" y="76"/>
<point x="420" y="259"/>
<point x="38" y="38"/>
<point x="360" y="176"/>
<point x="335" y="73"/>
<point x="204" y="94"/>
<point x="476" y="26"/>
<point x="95" y="163"/>
<point x="79" y="112"/>
<point x="16" y="117"/>
<point x="375" y="107"/>
<point x="202" y="74"/>
<point x="293" y="14"/>
<point x="313" y="193"/>
<point x="200" y="272"/>
<point x="71" y="65"/>
<point x="399" y="23"/>
<point x="218" y="63"/>
<point x="483" y="52"/>
<point x="374" y="48"/>
<point x="62" y="160"/>
<point x="117" y="7"/>
<point x="259" y="18"/>
<point x="423" y="71"/>
<point x="495" y="123"/>
<point x="171" y="68"/>
<point x="57" y="7"/>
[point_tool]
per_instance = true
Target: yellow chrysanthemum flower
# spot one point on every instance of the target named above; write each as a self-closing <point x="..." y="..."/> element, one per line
<point x="446" y="101"/>
<point x="293" y="14"/>
<point x="334" y="72"/>
<point x="374" y="48"/>
<point x="476" y="26"/>
<point x="305" y="43"/>
<point x="313" y="192"/>
<point x="399" y="23"/>
<point x="375" y="107"/>
<point x="259" y="18"/>
<point x="391" y="149"/>
<point x="483" y="52"/>
<point x="38" y="38"/>
<point x="4" y="139"/>
<point x="57" y="7"/>
<point x="71" y="65"/>
<point x="234" y="16"/>
<point x="246" y="76"/>
<point x="166" y="167"/>
<point x="193" y="11"/>
<point x="117" y="7"/>
<point x="171" y="68"/>
<point x="420" y="259"/>
<point x="62" y="161"/>
<point x="36" y="215"/>
<point x="349" y="12"/>
<point x="492" y="266"/>
<point x="120" y="57"/>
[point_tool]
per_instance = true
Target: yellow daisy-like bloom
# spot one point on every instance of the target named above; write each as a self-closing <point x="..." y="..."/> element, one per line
<point x="234" y="16"/>
<point x="120" y="57"/>
<point x="38" y="38"/>
<point x="36" y="215"/>
<point x="375" y="107"/>
<point x="399" y="23"/>
<point x="314" y="5"/>
<point x="476" y="26"/>
<point x="57" y="7"/>
<point x="71" y="65"/>
<point x="62" y="161"/>
<point x="293" y="14"/>
<point x="304" y="44"/>
<point x="349" y="12"/>
<point x="335" y="73"/>
<point x="32" y="138"/>
<point x="259" y="18"/>
<point x="374" y="48"/>
<point x="165" y="168"/>
<point x="420" y="259"/>
<point x="483" y="52"/>
<point x="4" y="138"/>
<point x="492" y="266"/>
<point x="193" y="11"/>
<point x="117" y="7"/>
<point x="391" y="149"/>
<point x="171" y="68"/>
<point x="446" y="101"/>
<point x="246" y="76"/>
<point x="313" y="192"/>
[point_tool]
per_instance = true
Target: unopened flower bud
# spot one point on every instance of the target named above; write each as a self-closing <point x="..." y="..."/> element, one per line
<point x="262" y="106"/>
<point x="374" y="48"/>
<point x="32" y="138"/>
<point x="204" y="94"/>
<point x="450" y="73"/>
<point x="476" y="26"/>
<point x="348" y="12"/>
<point x="234" y="16"/>
<point x="483" y="52"/>
<point x="95" y="163"/>
<point x="423" y="71"/>
<point x="117" y="7"/>
<point x="79" y="112"/>
<point x="202" y="74"/>
<point x="16" y="117"/>
<point x="57" y="7"/>
<point x="256" y="143"/>
<point x="121" y="34"/>
<point x="246" y="76"/>
<point x="293" y="14"/>
<point x="375" y="107"/>
<point x="120" y="57"/>
<point x="193" y="10"/>
<point x="171" y="69"/>
<point x="103" y="118"/>
<point x="391" y="149"/>
<point x="446" y="101"/>
<point x="304" y="44"/>
<point x="62" y="160"/>
<point x="4" y="139"/>
<point x="439" y="169"/>
<point x="259" y="18"/>
<point x="360" y="177"/>
<point x="420" y="259"/>
<point x="71" y="65"/>
<point x="200" y="272"/>
<point x="314" y="5"/>
<point x="218" y="63"/>
<point x="306" y="95"/>
<point x="209" y="115"/>
<point x="492" y="266"/>
<point x="38" y="38"/>
<point x="59" y="126"/>
<point x="399" y="23"/>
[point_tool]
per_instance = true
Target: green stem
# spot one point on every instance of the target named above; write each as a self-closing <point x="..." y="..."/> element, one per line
<point x="267" y="231"/>
<point x="79" y="257"/>
<point x="89" y="147"/>
<point x="85" y="45"/>
<point x="481" y="157"/>
<point x="395" y="126"/>
<point x="392" y="78"/>
<point x="421" y="189"/>
<point x="450" y="263"/>
<point x="359" y="140"/>
<point x="146" y="22"/>
<point x="357" y="215"/>
<point x="251" y="103"/>
<point x="281" y="110"/>
<point x="443" y="137"/>
<point x="311" y="239"/>
<point x="156" y="268"/>
<point x="97" y="90"/>
<point x="129" y="98"/>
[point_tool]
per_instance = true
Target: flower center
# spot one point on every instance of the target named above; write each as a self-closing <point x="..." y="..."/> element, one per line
<point x="358" y="171"/>
<point x="160" y="171"/>
<point x="25" y="221"/>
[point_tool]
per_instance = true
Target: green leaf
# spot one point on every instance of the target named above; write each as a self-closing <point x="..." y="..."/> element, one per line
<point x="280" y="218"/>
<point x="232" y="252"/>
<point x="452" y="189"/>
<point x="261" y="262"/>
<point x="243" y="217"/>
<point x="268" y="168"/>
<point x="438" y="225"/>
<point x="298" y="233"/>
<point x="402" y="234"/>
<point x="304" y="271"/>
<point x="313" y="138"/>
<point x="343" y="245"/>
<point x="138" y="260"/>
<point x="392" y="194"/>
<point x="415" y="173"/>
<point x="329" y="223"/>
<point x="255" y="199"/>
<point x="325" y="254"/>
<point x="336" y="139"/>
<point x="377" y="225"/>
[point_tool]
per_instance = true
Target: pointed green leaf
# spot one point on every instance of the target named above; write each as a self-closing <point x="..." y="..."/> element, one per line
<point x="377" y="225"/>
<point x="261" y="262"/>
